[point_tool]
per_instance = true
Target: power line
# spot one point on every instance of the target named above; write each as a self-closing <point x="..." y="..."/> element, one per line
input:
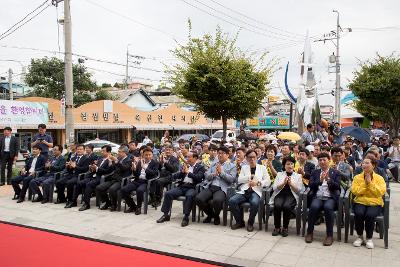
<point x="9" y="29"/>
<point x="246" y="23"/>
<point x="255" y="20"/>
<point x="230" y="22"/>
<point x="132" y="20"/>
<point x="13" y="28"/>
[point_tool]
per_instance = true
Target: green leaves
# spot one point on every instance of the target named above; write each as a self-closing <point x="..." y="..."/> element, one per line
<point x="377" y="85"/>
<point x="218" y="78"/>
<point x="46" y="76"/>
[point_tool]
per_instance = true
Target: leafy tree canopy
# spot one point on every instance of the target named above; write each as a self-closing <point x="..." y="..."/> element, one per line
<point x="377" y="85"/>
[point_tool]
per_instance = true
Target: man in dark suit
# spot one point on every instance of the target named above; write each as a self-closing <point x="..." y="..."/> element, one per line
<point x="305" y="167"/>
<point x="72" y="152"/>
<point x="324" y="189"/>
<point x="89" y="153"/>
<point x="102" y="166"/>
<point x="34" y="166"/>
<point x="8" y="154"/>
<point x="144" y="170"/>
<point x="108" y="190"/>
<point x="168" y="165"/>
<point x="54" y="165"/>
<point x="74" y="167"/>
<point x="190" y="175"/>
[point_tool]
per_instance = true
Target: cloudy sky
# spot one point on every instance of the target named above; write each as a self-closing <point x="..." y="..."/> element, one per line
<point x="102" y="30"/>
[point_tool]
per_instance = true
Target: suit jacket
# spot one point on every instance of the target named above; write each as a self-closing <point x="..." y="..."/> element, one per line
<point x="39" y="167"/>
<point x="169" y="167"/>
<point x="81" y="167"/>
<point x="57" y="164"/>
<point x="14" y="147"/>
<point x="260" y="175"/>
<point x="345" y="171"/>
<point x="197" y="176"/>
<point x="71" y="156"/>
<point x="92" y="157"/>
<point x="104" y="167"/>
<point x="151" y="171"/>
<point x="309" y="167"/>
<point x="225" y="178"/>
<point x="333" y="184"/>
<point x="123" y="168"/>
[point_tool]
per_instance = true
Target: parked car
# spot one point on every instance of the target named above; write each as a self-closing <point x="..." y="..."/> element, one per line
<point x="188" y="137"/>
<point x="217" y="136"/>
<point x="99" y="143"/>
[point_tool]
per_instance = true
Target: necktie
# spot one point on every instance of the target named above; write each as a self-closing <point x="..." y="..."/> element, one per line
<point x="77" y="160"/>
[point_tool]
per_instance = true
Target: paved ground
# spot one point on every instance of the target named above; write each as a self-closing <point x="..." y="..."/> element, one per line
<point x="217" y="243"/>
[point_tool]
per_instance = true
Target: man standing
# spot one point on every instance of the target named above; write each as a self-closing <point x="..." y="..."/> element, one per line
<point x="8" y="154"/>
<point x="220" y="176"/>
<point x="56" y="164"/>
<point x="33" y="166"/>
<point x="309" y="137"/>
<point x="101" y="167"/>
<point x="45" y="141"/>
<point x="145" y="169"/>
<point x="325" y="189"/>
<point x="190" y="175"/>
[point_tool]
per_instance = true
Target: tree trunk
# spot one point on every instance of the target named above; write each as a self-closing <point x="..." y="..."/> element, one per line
<point x="394" y="127"/>
<point x="224" y="128"/>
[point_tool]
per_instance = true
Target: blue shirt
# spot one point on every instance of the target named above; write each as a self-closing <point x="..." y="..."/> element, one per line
<point x="45" y="137"/>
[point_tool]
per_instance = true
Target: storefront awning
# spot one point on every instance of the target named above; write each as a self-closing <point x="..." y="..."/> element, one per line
<point x="160" y="126"/>
<point x="103" y="126"/>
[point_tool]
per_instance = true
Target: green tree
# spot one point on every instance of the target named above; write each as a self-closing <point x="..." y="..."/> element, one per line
<point x="46" y="76"/>
<point x="222" y="81"/>
<point x="105" y="95"/>
<point x="377" y="86"/>
<point x="105" y="85"/>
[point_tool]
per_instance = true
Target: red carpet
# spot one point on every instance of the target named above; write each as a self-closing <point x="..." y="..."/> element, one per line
<point x="22" y="246"/>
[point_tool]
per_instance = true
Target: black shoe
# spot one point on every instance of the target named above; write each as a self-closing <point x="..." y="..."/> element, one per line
<point x="217" y="221"/>
<point x="185" y="221"/>
<point x="1" y="184"/>
<point x="60" y="201"/>
<point x="84" y="207"/>
<point x="20" y="200"/>
<point x="164" y="218"/>
<point x="113" y="208"/>
<point x="284" y="232"/>
<point x="15" y="197"/>
<point x="39" y="199"/>
<point x="71" y="205"/>
<point x="238" y="225"/>
<point x="207" y="219"/>
<point x="276" y="232"/>
<point x="104" y="206"/>
<point x="138" y="211"/>
<point x="130" y="209"/>
<point x="250" y="227"/>
<point x="44" y="201"/>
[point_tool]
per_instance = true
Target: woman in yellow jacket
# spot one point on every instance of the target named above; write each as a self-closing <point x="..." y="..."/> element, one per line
<point x="368" y="189"/>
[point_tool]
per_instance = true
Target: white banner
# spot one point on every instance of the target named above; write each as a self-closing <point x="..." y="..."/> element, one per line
<point x="23" y="113"/>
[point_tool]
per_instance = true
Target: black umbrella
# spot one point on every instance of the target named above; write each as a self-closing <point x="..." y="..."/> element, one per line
<point x="358" y="133"/>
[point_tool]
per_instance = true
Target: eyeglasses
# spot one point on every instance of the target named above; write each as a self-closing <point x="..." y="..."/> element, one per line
<point x="252" y="157"/>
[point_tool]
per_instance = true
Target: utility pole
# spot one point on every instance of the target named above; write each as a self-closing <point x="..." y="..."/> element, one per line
<point x="127" y="67"/>
<point x="69" y="91"/>
<point x="337" y="91"/>
<point x="335" y="35"/>
<point x="10" y="89"/>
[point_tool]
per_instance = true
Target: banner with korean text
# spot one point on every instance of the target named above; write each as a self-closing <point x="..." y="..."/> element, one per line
<point x="23" y="113"/>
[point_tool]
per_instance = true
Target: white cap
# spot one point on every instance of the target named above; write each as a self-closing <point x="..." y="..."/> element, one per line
<point x="310" y="148"/>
